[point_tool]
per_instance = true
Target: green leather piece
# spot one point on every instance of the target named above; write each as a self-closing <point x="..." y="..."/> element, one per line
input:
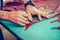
<point x="39" y="31"/>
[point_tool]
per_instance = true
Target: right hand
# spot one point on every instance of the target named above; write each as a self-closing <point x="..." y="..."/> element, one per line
<point x="31" y="10"/>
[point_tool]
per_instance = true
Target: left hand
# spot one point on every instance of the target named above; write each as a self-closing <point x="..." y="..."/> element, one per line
<point x="34" y="11"/>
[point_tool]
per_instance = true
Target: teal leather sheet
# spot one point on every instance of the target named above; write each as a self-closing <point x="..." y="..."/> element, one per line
<point x="43" y="30"/>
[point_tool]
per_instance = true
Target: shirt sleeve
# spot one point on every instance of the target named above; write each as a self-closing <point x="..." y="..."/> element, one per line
<point x="1" y="4"/>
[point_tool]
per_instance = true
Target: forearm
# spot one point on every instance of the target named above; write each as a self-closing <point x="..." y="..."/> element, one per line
<point x="28" y="4"/>
<point x="30" y="7"/>
<point x="25" y="1"/>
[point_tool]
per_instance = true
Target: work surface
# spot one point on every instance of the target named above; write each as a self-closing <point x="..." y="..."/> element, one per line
<point x="43" y="30"/>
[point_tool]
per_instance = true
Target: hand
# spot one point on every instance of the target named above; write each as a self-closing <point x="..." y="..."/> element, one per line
<point x="19" y="17"/>
<point x="34" y="11"/>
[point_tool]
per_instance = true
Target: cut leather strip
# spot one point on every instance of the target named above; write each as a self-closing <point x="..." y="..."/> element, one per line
<point x="28" y="25"/>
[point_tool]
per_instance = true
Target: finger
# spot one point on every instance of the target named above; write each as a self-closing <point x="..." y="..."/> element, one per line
<point x="39" y="16"/>
<point x="17" y="22"/>
<point x="30" y="16"/>
<point x="25" y="14"/>
<point x="23" y="21"/>
<point x="23" y="18"/>
<point x="46" y="15"/>
<point x="22" y="24"/>
<point x="53" y="19"/>
<point x="20" y="20"/>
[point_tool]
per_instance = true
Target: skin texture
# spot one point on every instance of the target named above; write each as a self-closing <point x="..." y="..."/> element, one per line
<point x="48" y="4"/>
<point x="34" y="11"/>
<point x="19" y="17"/>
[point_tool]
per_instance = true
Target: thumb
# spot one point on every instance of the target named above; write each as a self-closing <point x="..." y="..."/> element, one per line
<point x="30" y="16"/>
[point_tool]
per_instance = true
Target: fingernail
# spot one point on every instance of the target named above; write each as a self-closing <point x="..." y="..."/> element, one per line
<point x="40" y="19"/>
<point x="49" y="15"/>
<point x="31" y="19"/>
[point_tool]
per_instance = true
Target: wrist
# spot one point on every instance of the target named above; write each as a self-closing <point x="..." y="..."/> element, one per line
<point x="31" y="3"/>
<point x="4" y="15"/>
<point x="29" y="6"/>
<point x="25" y="1"/>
